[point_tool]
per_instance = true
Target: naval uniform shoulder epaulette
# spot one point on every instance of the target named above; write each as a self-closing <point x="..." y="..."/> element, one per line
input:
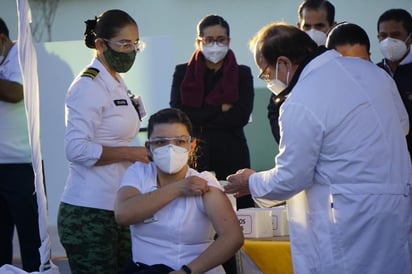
<point x="90" y="72"/>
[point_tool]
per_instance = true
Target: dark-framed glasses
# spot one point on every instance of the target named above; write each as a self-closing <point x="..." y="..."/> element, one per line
<point x="208" y="41"/>
<point x="263" y="75"/>
<point x="181" y="141"/>
<point x="127" y="45"/>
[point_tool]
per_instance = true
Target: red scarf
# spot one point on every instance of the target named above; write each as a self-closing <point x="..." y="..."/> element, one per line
<point x="226" y="90"/>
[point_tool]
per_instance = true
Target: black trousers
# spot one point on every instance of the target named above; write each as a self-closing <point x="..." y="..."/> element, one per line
<point x="18" y="209"/>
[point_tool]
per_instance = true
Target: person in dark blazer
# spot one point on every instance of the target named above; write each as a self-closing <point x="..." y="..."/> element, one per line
<point x="217" y="94"/>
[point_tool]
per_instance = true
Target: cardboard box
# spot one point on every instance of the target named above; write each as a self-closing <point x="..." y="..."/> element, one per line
<point x="255" y="222"/>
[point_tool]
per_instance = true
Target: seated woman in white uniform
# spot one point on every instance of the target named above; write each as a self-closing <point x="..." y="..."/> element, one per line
<point x="174" y="211"/>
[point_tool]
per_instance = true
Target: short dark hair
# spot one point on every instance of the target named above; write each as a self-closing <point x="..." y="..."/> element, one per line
<point x="316" y="5"/>
<point x="212" y="20"/>
<point x="398" y="15"/>
<point x="106" y="25"/>
<point x="282" y="39"/>
<point x="347" y="33"/>
<point x="169" y="116"/>
<point x="3" y="28"/>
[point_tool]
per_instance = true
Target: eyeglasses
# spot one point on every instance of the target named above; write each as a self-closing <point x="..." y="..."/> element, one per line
<point x="127" y="45"/>
<point x="181" y="141"/>
<point x="264" y="76"/>
<point x="208" y="41"/>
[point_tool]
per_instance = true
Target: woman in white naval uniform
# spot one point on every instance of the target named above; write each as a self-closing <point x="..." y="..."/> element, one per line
<point x="101" y="121"/>
<point x="175" y="211"/>
<point x="343" y="162"/>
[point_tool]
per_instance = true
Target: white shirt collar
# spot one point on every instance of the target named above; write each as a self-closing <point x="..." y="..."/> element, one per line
<point x="408" y="58"/>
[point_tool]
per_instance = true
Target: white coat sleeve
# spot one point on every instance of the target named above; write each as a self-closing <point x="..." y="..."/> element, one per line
<point x="299" y="148"/>
<point x="83" y="115"/>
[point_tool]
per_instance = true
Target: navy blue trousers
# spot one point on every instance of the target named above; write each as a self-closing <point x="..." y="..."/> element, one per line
<point x="18" y="209"/>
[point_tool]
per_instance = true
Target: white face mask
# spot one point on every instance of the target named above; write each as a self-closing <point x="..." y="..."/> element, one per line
<point x="215" y="53"/>
<point x="318" y="36"/>
<point x="170" y="158"/>
<point x="276" y="86"/>
<point x="393" y="49"/>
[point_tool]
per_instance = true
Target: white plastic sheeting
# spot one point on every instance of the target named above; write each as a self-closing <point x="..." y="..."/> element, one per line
<point x="28" y="66"/>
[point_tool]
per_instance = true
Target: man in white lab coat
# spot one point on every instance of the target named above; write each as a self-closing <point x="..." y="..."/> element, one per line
<point x="343" y="163"/>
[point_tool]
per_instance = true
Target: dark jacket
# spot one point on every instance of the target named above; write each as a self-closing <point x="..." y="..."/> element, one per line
<point x="403" y="79"/>
<point x="212" y="117"/>
<point x="220" y="136"/>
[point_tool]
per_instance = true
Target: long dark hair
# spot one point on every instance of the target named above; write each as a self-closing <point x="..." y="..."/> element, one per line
<point x="106" y="25"/>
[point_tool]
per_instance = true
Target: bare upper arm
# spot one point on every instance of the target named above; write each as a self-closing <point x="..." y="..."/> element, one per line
<point x="220" y="211"/>
<point x="124" y="194"/>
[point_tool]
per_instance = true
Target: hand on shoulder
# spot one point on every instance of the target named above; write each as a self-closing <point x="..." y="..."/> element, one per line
<point x="194" y="186"/>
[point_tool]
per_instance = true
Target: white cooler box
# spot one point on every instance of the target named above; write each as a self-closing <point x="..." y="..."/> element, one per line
<point x="255" y="222"/>
<point x="280" y="221"/>
<point x="263" y="222"/>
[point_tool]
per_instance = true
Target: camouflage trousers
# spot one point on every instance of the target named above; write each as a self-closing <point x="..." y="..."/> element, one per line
<point x="93" y="241"/>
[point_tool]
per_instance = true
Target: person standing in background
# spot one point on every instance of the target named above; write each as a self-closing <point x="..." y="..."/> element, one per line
<point x="316" y="18"/>
<point x="349" y="40"/>
<point x="101" y="121"/>
<point x="18" y="202"/>
<point x="394" y="35"/>
<point x="217" y="94"/>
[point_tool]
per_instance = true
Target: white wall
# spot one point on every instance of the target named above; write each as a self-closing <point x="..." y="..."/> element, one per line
<point x="176" y="19"/>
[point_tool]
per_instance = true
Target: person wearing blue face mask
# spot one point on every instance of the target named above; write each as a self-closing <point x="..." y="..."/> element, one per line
<point x="173" y="210"/>
<point x="101" y="122"/>
<point x="394" y="35"/>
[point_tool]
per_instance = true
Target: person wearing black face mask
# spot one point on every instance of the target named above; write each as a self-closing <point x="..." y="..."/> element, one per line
<point x="101" y="122"/>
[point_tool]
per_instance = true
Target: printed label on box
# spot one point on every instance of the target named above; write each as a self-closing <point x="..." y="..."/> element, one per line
<point x="245" y="222"/>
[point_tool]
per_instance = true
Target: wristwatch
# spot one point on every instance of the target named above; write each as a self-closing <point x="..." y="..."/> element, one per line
<point x="186" y="269"/>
